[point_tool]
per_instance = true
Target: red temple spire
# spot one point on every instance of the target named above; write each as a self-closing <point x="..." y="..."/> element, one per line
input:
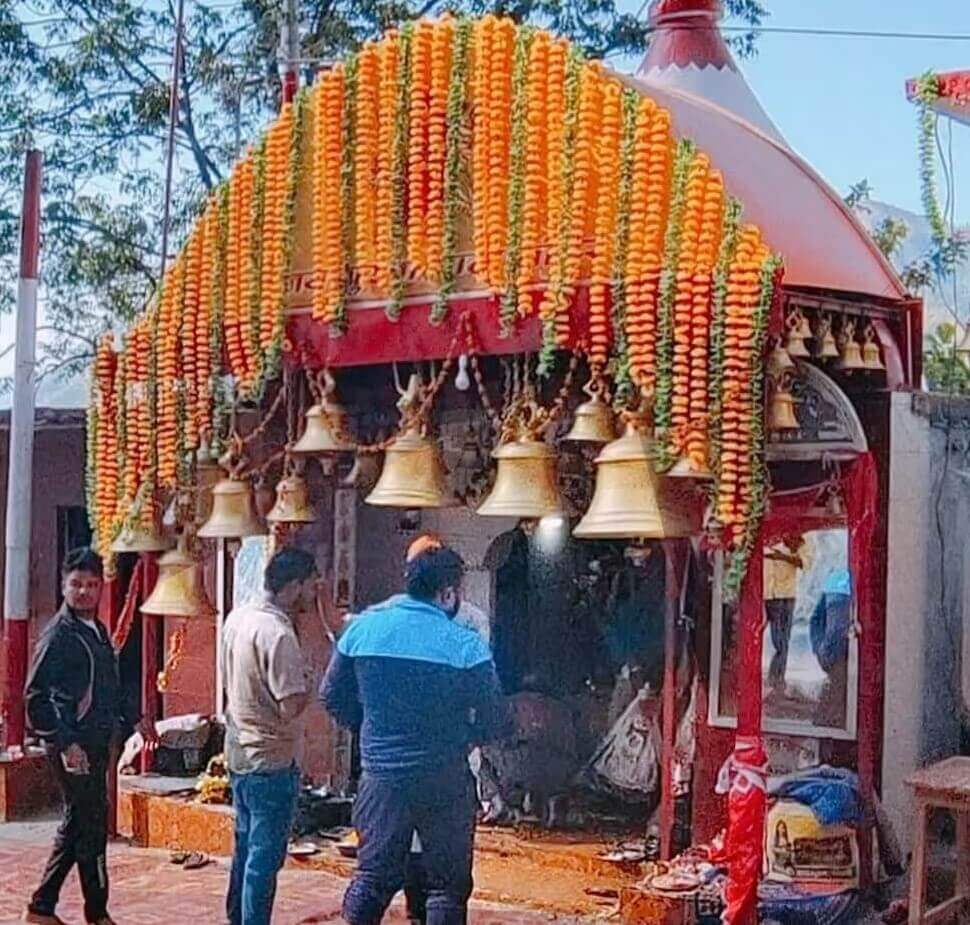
<point x="688" y="53"/>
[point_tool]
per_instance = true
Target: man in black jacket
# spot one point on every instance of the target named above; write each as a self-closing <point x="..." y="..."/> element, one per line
<point x="76" y="705"/>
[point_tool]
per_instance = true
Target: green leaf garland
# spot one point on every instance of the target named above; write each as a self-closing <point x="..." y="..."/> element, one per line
<point x="517" y="164"/>
<point x="665" y="303"/>
<point x="399" y="240"/>
<point x="457" y="95"/>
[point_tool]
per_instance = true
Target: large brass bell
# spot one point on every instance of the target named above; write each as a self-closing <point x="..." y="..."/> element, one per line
<point x="630" y="500"/>
<point x="779" y="359"/>
<point x="781" y="411"/>
<point x="527" y="483"/>
<point x="233" y="515"/>
<point x="326" y="424"/>
<point x="804" y="328"/>
<point x="178" y="589"/>
<point x="871" y="357"/>
<point x="413" y="475"/>
<point x="593" y="421"/>
<point x="851" y="353"/>
<point x="139" y="537"/>
<point x="292" y="506"/>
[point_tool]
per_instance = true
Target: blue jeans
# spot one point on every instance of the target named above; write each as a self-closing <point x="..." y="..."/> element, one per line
<point x="264" y="802"/>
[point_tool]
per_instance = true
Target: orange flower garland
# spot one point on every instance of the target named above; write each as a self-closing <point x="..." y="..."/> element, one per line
<point x="499" y="130"/>
<point x="418" y="141"/>
<point x="684" y="300"/>
<point x="367" y="176"/>
<point x="329" y="259"/>
<point x="106" y="491"/>
<point x="536" y="180"/>
<point x="192" y="287"/>
<point x="202" y="335"/>
<point x="482" y="137"/>
<point x="441" y="52"/>
<point x="232" y="317"/>
<point x="168" y="332"/>
<point x="605" y="220"/>
<point x="279" y="142"/>
<point x="388" y="61"/>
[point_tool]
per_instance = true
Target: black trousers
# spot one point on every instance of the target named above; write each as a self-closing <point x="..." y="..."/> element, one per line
<point x="780" y="613"/>
<point x="441" y="807"/>
<point x="81" y="839"/>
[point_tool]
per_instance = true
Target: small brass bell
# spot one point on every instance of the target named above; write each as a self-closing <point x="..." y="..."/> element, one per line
<point x="630" y="500"/>
<point x="178" y="589"/>
<point x="851" y="353"/>
<point x="232" y="514"/>
<point x="324" y="431"/>
<point x="779" y="359"/>
<point x="364" y="473"/>
<point x="207" y="475"/>
<point x="413" y="475"/>
<point x="139" y="537"/>
<point x="828" y="349"/>
<point x="593" y="421"/>
<point x="795" y="346"/>
<point x="781" y="411"/>
<point x="326" y="424"/>
<point x="871" y="358"/>
<point x="527" y="483"/>
<point x="292" y="506"/>
<point x="804" y="328"/>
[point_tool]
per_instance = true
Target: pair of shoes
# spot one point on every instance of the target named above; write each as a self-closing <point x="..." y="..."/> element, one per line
<point x="41" y="918"/>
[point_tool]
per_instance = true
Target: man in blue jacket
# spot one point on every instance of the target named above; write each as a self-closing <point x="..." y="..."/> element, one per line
<point x="421" y="690"/>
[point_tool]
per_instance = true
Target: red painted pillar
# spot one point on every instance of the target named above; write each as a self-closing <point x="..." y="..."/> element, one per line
<point x="109" y="608"/>
<point x="152" y="629"/>
<point x="751" y="627"/>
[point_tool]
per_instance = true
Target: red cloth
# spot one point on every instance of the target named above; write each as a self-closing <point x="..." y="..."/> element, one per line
<point x="743" y="779"/>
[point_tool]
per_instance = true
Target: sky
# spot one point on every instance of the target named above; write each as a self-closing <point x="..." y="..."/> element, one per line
<point x="841" y="102"/>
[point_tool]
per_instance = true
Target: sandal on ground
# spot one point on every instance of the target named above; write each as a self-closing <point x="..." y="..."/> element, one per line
<point x="196" y="860"/>
<point x="42" y="918"/>
<point x="178" y="857"/>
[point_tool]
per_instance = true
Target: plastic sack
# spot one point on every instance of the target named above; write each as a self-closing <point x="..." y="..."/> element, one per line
<point x="742" y="778"/>
<point x="832" y="794"/>
<point x="627" y="760"/>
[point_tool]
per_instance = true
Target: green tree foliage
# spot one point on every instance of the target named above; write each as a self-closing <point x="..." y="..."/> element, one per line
<point x="945" y="362"/>
<point x="87" y="82"/>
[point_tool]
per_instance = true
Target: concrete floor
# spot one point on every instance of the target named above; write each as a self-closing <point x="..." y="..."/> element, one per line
<point x="147" y="889"/>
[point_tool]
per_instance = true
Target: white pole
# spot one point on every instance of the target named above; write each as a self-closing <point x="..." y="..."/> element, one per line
<point x="16" y="584"/>
<point x="221" y="610"/>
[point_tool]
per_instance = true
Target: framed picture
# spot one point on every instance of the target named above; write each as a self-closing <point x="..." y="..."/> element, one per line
<point x="810" y="650"/>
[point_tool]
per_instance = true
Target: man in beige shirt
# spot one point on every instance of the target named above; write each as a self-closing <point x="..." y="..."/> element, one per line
<point x="268" y="684"/>
<point x="783" y="562"/>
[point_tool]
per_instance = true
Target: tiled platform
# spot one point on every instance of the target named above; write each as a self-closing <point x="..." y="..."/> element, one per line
<point x="147" y="889"/>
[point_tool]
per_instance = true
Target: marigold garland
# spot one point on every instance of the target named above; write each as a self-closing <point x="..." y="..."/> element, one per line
<point x="517" y="177"/>
<point x="575" y="181"/>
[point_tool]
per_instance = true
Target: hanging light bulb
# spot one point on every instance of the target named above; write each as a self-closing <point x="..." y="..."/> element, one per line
<point x="462" y="380"/>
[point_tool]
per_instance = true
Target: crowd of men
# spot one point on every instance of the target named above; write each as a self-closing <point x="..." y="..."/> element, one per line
<point x="418" y="688"/>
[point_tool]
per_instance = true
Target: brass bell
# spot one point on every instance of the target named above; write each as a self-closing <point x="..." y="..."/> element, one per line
<point x="871" y="357"/>
<point x="325" y="427"/>
<point x="779" y="359"/>
<point x="413" y="475"/>
<point x="178" y="589"/>
<point x="593" y="421"/>
<point x="803" y="327"/>
<point x="292" y="506"/>
<point x="781" y="411"/>
<point x="851" y="353"/>
<point x="207" y="475"/>
<point x="630" y="500"/>
<point x="828" y="349"/>
<point x="364" y="473"/>
<point x="232" y="514"/>
<point x="527" y="483"/>
<point x="326" y="423"/>
<point x="795" y="346"/>
<point x="139" y="537"/>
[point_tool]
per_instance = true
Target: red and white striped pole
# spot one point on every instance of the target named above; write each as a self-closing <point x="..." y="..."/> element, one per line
<point x="16" y="584"/>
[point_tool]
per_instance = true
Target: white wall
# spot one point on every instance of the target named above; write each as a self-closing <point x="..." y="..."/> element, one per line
<point x="910" y="492"/>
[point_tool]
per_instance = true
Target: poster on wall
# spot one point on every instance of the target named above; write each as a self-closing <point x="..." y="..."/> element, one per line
<point x="247" y="569"/>
<point x="344" y="547"/>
